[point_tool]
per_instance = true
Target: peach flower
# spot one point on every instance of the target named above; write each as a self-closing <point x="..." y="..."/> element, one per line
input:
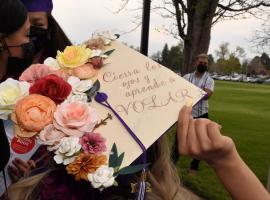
<point x="50" y="135"/>
<point x="75" y="118"/>
<point x="32" y="114"/>
<point x="85" y="71"/>
<point x="85" y="164"/>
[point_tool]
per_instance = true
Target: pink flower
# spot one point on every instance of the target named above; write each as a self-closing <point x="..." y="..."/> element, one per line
<point x="38" y="71"/>
<point x="93" y="143"/>
<point x="75" y="118"/>
<point x="50" y="135"/>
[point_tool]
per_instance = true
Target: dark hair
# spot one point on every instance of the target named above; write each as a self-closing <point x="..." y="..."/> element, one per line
<point x="57" y="39"/>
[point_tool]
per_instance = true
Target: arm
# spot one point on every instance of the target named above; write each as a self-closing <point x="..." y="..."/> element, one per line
<point x="209" y="92"/>
<point x="201" y="138"/>
<point x="209" y="87"/>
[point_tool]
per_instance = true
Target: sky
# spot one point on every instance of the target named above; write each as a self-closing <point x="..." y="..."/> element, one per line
<point x="80" y="18"/>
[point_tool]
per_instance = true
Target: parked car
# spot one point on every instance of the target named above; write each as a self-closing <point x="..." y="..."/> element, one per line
<point x="267" y="81"/>
<point x="237" y="78"/>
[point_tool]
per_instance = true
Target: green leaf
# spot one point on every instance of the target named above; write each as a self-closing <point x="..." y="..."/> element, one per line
<point x="113" y="159"/>
<point x="107" y="53"/>
<point x="130" y="169"/>
<point x="120" y="159"/>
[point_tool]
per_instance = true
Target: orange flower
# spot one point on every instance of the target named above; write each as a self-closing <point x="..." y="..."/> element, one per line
<point x="85" y="164"/>
<point x="32" y="114"/>
<point x="85" y="71"/>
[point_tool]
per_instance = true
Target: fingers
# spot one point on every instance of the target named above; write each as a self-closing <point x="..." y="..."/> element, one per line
<point x="32" y="164"/>
<point x="183" y="126"/>
<point x="19" y="169"/>
<point x="22" y="166"/>
<point x="202" y="134"/>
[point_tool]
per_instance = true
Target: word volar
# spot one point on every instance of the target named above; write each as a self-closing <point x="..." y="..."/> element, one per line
<point x="153" y="102"/>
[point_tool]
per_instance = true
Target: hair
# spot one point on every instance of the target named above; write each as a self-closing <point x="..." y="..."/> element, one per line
<point x="162" y="176"/>
<point x="202" y="55"/>
<point x="57" y="38"/>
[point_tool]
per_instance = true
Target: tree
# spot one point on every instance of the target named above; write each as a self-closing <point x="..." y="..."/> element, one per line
<point x="261" y="38"/>
<point x="157" y="57"/>
<point x="170" y="57"/>
<point x="265" y="60"/>
<point x="165" y="55"/>
<point x="230" y="65"/>
<point x="193" y="20"/>
<point x="223" y="51"/>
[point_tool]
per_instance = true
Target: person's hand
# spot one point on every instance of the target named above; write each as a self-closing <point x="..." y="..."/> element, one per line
<point x="19" y="169"/>
<point x="201" y="139"/>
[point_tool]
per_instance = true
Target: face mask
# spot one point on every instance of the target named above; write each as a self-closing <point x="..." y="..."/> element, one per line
<point x="39" y="37"/>
<point x="15" y="65"/>
<point x="202" y="68"/>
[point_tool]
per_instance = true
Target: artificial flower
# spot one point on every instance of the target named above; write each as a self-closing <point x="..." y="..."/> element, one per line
<point x="10" y="92"/>
<point x="38" y="71"/>
<point x="97" y="62"/>
<point x="52" y="62"/>
<point x="96" y="53"/>
<point x="53" y="87"/>
<point x="50" y="135"/>
<point x="32" y="113"/>
<point x="75" y="118"/>
<point x="67" y="151"/>
<point x="106" y="36"/>
<point x="73" y="56"/>
<point x="93" y="143"/>
<point x="85" y="71"/>
<point x="79" y="86"/>
<point x="85" y="164"/>
<point x="95" y="43"/>
<point x="102" y="178"/>
<point x="77" y="97"/>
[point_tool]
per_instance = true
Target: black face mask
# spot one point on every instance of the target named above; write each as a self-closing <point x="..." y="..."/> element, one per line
<point x="15" y="65"/>
<point x="39" y="37"/>
<point x="202" y="68"/>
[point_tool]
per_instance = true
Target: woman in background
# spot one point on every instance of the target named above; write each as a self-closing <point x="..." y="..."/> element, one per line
<point x="48" y="37"/>
<point x="16" y="46"/>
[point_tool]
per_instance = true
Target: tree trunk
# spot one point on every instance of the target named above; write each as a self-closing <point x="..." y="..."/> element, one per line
<point x="200" y="17"/>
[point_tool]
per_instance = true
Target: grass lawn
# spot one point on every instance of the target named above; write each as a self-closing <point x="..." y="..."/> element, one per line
<point x="243" y="110"/>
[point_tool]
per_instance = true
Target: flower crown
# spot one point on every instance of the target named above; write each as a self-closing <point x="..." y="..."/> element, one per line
<point x="51" y="103"/>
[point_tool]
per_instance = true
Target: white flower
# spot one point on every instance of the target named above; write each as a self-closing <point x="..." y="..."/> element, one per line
<point x="96" y="53"/>
<point x="77" y="97"/>
<point x="10" y="92"/>
<point x="107" y="36"/>
<point x="67" y="150"/>
<point x="79" y="86"/>
<point x="102" y="178"/>
<point x="52" y="63"/>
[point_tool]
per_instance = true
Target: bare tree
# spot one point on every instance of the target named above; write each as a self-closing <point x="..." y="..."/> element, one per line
<point x="193" y="20"/>
<point x="261" y="38"/>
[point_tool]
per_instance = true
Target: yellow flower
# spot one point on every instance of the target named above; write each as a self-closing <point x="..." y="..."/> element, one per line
<point x="73" y="56"/>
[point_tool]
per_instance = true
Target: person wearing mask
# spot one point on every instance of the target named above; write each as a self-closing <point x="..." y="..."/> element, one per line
<point x="202" y="79"/>
<point x="48" y="37"/>
<point x="16" y="46"/>
<point x="28" y="34"/>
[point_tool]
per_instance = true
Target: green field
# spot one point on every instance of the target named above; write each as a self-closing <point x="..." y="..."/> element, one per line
<point x="243" y="110"/>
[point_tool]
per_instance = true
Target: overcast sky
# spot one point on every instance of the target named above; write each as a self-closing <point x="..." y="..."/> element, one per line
<point x="80" y="18"/>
